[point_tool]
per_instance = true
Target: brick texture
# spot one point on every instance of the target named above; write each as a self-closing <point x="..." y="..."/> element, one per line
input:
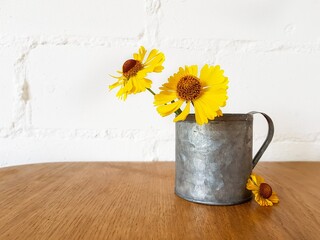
<point x="56" y="57"/>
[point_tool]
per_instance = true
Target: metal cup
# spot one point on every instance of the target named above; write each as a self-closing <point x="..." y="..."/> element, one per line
<point x="214" y="160"/>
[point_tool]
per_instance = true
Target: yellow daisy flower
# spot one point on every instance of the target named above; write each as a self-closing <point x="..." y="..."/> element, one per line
<point x="262" y="191"/>
<point x="134" y="71"/>
<point x="207" y="93"/>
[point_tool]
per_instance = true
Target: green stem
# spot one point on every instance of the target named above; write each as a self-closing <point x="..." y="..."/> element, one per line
<point x="152" y="92"/>
<point x="178" y="112"/>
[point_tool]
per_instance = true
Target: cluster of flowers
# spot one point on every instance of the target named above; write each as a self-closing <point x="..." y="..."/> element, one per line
<point x="207" y="92"/>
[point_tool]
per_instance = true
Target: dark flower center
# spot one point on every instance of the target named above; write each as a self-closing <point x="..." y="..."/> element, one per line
<point x="131" y="67"/>
<point x="189" y="88"/>
<point x="265" y="190"/>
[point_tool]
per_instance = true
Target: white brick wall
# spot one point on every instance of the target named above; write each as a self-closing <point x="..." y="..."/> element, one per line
<point x="6" y="85"/>
<point x="55" y="57"/>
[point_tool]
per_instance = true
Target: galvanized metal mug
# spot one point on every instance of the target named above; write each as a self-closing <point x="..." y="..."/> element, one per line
<point x="214" y="160"/>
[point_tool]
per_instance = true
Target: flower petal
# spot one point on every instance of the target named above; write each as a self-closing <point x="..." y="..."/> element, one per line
<point x="122" y="94"/>
<point x="158" y="69"/>
<point x="192" y="70"/>
<point x="116" y="84"/>
<point x="204" y="74"/>
<point x="154" y="61"/>
<point x="219" y="113"/>
<point x="138" y="84"/>
<point x="152" y="54"/>
<point x="257" y="179"/>
<point x="210" y="107"/>
<point x="167" y="109"/>
<point x="201" y="117"/>
<point x="251" y="185"/>
<point x="274" y="198"/>
<point x="164" y="97"/>
<point x="213" y="77"/>
<point x="182" y="116"/>
<point x="140" y="56"/>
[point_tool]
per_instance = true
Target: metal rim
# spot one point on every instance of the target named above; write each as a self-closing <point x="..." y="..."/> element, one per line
<point x="225" y="117"/>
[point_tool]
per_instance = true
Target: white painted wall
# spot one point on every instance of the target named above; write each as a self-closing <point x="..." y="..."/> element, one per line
<point x="55" y="57"/>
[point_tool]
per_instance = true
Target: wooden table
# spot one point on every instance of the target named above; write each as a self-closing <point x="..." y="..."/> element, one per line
<point x="137" y="201"/>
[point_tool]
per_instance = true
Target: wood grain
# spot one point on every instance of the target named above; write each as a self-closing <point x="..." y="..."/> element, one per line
<point x="137" y="201"/>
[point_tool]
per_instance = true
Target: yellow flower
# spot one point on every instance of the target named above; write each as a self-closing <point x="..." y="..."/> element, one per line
<point x="207" y="93"/>
<point x="262" y="191"/>
<point x="134" y="71"/>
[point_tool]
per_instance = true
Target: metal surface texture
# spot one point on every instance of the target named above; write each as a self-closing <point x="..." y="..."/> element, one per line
<point x="214" y="160"/>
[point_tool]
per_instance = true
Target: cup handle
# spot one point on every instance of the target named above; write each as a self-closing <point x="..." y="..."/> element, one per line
<point x="267" y="141"/>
